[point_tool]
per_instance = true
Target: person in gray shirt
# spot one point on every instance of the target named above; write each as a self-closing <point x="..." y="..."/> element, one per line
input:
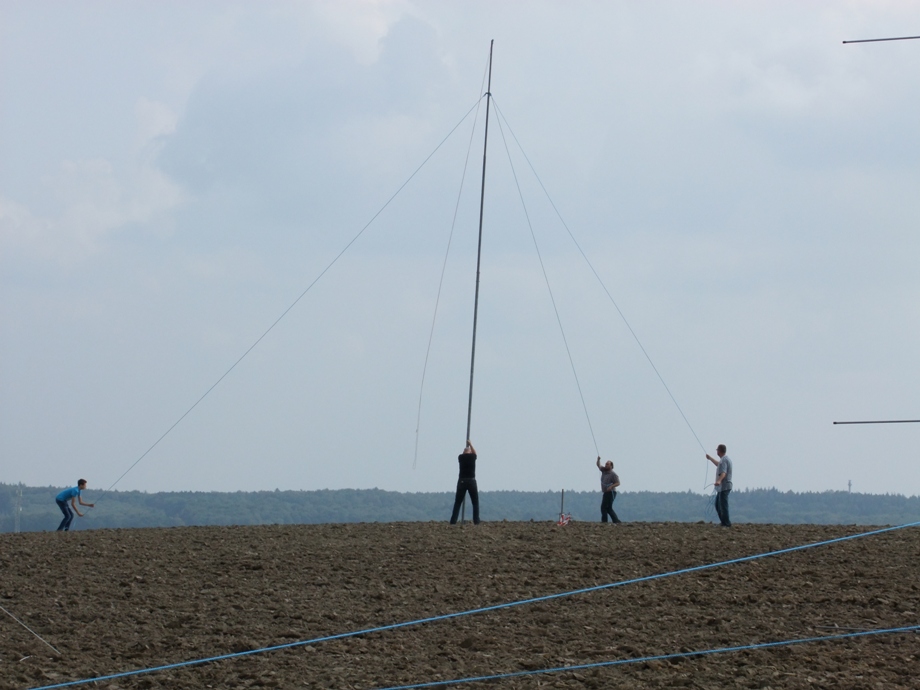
<point x="723" y="483"/>
<point x="609" y="483"/>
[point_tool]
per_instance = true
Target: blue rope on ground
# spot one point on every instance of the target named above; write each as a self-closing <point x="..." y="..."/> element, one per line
<point x="659" y="657"/>
<point x="496" y="607"/>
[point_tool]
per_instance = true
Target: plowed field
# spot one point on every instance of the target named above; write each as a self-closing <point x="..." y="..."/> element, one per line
<point x="113" y="601"/>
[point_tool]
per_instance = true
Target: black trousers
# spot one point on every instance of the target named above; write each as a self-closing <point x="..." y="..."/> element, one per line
<point x="464" y="486"/>
<point x="607" y="506"/>
<point x="722" y="507"/>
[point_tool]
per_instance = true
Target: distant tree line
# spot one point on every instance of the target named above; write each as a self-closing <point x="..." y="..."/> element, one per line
<point x="37" y="510"/>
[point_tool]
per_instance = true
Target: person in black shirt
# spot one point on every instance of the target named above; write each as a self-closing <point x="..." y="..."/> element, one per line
<point x="466" y="482"/>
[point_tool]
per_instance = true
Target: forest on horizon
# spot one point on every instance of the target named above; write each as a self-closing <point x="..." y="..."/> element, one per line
<point x="37" y="510"/>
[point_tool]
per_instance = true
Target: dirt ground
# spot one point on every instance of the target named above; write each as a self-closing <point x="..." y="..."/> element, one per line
<point x="113" y="601"/>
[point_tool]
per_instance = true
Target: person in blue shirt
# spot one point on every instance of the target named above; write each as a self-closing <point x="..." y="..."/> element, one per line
<point x="73" y="495"/>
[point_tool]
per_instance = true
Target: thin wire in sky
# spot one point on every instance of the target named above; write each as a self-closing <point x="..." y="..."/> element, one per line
<point x="299" y="297"/>
<point x="546" y="279"/>
<point x="437" y="301"/>
<point x="610" y="296"/>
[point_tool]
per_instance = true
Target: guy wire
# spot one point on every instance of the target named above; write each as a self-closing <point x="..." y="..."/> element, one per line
<point x="599" y="280"/>
<point x="299" y="297"/>
<point x="30" y="630"/>
<point x="546" y="279"/>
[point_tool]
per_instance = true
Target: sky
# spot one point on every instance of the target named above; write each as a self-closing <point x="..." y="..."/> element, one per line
<point x="183" y="185"/>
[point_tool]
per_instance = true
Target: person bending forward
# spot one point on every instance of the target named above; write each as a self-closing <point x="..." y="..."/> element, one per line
<point x="73" y="495"/>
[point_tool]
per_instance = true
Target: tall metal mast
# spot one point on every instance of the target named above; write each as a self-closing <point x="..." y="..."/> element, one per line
<point x="482" y="199"/>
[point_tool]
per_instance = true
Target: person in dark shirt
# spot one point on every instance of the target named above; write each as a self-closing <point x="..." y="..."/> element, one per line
<point x="466" y="482"/>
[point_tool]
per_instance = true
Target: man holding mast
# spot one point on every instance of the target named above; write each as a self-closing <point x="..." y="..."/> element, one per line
<point x="466" y="482"/>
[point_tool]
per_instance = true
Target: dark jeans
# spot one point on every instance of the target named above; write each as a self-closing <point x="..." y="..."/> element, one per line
<point x="722" y="507"/>
<point x="464" y="485"/>
<point x="68" y="516"/>
<point x="607" y="506"/>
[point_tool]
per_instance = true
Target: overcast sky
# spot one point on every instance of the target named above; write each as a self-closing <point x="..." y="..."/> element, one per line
<point x="174" y="175"/>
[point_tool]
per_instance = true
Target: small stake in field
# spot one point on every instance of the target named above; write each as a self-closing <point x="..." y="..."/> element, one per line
<point x="563" y="518"/>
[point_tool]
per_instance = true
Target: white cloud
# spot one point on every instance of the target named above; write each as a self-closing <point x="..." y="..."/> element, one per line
<point x="359" y="25"/>
<point x="19" y="229"/>
<point x="91" y="199"/>
<point x="95" y="201"/>
<point x="154" y="120"/>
